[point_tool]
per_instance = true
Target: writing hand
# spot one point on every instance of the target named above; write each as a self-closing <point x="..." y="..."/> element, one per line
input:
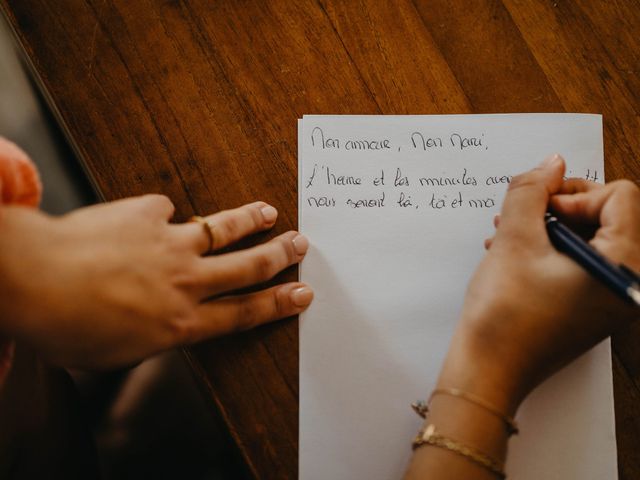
<point x="530" y="309"/>
<point x="111" y="284"/>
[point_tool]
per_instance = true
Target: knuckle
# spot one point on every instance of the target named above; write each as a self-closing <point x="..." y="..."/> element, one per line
<point x="258" y="308"/>
<point x="288" y="249"/>
<point x="157" y="204"/>
<point x="256" y="215"/>
<point x="176" y="246"/>
<point x="278" y="304"/>
<point x="162" y="201"/>
<point x="264" y="266"/>
<point x="580" y="208"/>
<point x="528" y="179"/>
<point x="165" y="202"/>
<point x="248" y="314"/>
<point x="182" y="326"/>
<point x="186" y="280"/>
<point x="573" y="185"/>
<point x="230" y="227"/>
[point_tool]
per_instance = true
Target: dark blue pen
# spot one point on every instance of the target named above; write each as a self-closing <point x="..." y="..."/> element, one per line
<point x="619" y="278"/>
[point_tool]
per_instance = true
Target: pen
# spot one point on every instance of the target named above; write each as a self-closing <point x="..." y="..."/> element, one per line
<point x="619" y="278"/>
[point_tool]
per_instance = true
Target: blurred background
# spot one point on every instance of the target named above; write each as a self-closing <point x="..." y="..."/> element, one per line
<point x="149" y="421"/>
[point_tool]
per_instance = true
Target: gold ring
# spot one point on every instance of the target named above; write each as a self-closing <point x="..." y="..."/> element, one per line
<point x="208" y="229"/>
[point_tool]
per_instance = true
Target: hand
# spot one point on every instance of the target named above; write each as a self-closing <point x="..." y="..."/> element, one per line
<point x="529" y="309"/>
<point x="108" y="285"/>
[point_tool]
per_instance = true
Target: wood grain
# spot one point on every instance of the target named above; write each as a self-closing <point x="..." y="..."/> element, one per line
<point x="199" y="100"/>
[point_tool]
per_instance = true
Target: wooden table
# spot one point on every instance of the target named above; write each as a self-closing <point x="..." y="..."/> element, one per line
<point x="199" y="100"/>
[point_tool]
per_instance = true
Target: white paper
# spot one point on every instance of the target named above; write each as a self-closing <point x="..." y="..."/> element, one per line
<point x="389" y="283"/>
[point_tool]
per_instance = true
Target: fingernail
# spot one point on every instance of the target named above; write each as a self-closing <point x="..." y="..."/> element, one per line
<point x="269" y="214"/>
<point x="301" y="297"/>
<point x="551" y="161"/>
<point x="300" y="244"/>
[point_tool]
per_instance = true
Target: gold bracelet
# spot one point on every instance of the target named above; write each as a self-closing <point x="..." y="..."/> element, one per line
<point x="429" y="436"/>
<point x="510" y="423"/>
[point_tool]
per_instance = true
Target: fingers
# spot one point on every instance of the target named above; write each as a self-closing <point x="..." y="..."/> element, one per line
<point x="229" y="226"/>
<point x="587" y="205"/>
<point x="235" y="270"/>
<point x="577" y="185"/>
<point x="527" y="199"/>
<point x="242" y="312"/>
<point x="564" y="202"/>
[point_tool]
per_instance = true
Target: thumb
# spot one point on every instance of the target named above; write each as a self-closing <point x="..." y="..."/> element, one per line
<point x="528" y="197"/>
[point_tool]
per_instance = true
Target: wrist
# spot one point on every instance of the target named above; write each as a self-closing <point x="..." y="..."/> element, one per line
<point x="21" y="266"/>
<point x="477" y="434"/>
<point x="469" y="424"/>
<point x="475" y="372"/>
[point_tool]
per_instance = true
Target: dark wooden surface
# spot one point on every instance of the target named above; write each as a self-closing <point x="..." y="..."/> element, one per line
<point x="199" y="100"/>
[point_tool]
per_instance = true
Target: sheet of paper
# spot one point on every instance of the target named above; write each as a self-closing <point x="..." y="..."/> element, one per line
<point x="396" y="209"/>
